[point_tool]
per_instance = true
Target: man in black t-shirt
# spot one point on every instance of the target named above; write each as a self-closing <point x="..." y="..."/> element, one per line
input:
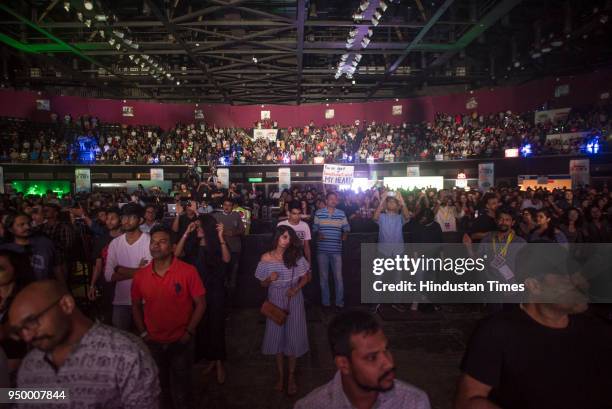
<point x="485" y="222"/>
<point x="539" y="355"/>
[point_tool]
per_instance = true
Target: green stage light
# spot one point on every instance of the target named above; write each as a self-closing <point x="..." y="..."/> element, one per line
<point x="40" y="187"/>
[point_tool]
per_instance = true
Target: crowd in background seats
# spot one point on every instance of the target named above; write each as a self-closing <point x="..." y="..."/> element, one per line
<point x="447" y="137"/>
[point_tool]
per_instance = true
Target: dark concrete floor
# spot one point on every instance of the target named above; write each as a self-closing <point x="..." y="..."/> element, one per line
<point x="427" y="349"/>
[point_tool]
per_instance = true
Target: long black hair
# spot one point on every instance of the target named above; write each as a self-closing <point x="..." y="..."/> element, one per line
<point x="550" y="231"/>
<point x="213" y="257"/>
<point x="293" y="252"/>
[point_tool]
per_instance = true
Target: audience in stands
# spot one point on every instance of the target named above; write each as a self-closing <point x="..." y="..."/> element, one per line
<point x="447" y="137"/>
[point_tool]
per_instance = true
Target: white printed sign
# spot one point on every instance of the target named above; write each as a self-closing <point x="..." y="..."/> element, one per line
<point x="265" y="115"/>
<point x="486" y="176"/>
<point x="413" y="171"/>
<point x="566" y="137"/>
<point x="157" y="173"/>
<point x="338" y="175"/>
<point x="128" y="111"/>
<point x="284" y="178"/>
<point x="82" y="180"/>
<point x="329" y="114"/>
<point x="552" y="115"/>
<point x="579" y="170"/>
<point x="396" y="110"/>
<point x="223" y="177"/>
<point x="43" y="105"/>
<point x="269" y="134"/>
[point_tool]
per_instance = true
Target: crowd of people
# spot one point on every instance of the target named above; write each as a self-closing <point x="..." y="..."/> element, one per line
<point x="163" y="284"/>
<point x="446" y="137"/>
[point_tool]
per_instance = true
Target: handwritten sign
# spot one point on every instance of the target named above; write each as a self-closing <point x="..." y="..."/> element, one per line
<point x="338" y="175"/>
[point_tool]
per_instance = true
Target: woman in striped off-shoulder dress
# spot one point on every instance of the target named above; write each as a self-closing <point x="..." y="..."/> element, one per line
<point x="285" y="271"/>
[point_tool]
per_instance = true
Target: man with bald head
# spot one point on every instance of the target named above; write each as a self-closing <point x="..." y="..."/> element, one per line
<point x="98" y="365"/>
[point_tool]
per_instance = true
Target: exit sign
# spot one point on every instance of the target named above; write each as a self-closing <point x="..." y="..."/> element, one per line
<point x="255" y="180"/>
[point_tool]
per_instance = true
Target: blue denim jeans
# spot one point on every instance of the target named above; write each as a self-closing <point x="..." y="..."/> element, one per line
<point x="324" y="260"/>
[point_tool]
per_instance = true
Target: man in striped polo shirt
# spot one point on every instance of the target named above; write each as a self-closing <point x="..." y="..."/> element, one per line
<point x="331" y="227"/>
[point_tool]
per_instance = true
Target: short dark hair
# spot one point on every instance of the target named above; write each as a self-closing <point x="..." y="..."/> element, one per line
<point x="347" y="323"/>
<point x="330" y="194"/>
<point x="228" y="199"/>
<point x="487" y="197"/>
<point x="295" y="204"/>
<point x="113" y="209"/>
<point x="11" y="217"/>
<point x="132" y="209"/>
<point x="505" y="210"/>
<point x="160" y="228"/>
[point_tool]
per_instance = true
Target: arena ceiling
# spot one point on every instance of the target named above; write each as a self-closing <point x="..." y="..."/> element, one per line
<point x="290" y="51"/>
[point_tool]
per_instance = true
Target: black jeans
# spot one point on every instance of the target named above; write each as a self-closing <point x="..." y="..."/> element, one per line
<point x="175" y="363"/>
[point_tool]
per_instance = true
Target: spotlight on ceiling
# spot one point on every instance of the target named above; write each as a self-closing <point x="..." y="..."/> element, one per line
<point x="364" y="5"/>
<point x="80" y="16"/>
<point x="102" y="33"/>
<point x="88" y="4"/>
<point x="365" y="42"/>
<point x="358" y="16"/>
<point x="383" y="6"/>
<point x="377" y="15"/>
<point x="112" y="41"/>
<point x="375" y="21"/>
<point x="255" y="60"/>
<point x="67" y="5"/>
<point x="88" y="23"/>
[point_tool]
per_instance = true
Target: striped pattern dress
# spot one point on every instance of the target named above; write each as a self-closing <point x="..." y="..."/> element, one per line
<point x="291" y="339"/>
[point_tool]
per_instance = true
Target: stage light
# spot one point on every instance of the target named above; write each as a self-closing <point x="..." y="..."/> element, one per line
<point x="344" y="57"/>
<point x="102" y="33"/>
<point x="80" y="16"/>
<point x="370" y="32"/>
<point x="358" y="57"/>
<point x="536" y="55"/>
<point x="517" y="64"/>
<point x="118" y="46"/>
<point x="118" y="34"/>
<point x="101" y="17"/>
<point x="255" y="60"/>
<point x="377" y="15"/>
<point x="546" y="49"/>
<point x="364" y="5"/>
<point x="131" y="57"/>
<point x="358" y="16"/>
<point x="383" y="6"/>
<point x="67" y="5"/>
<point x="136" y="60"/>
<point x="168" y="75"/>
<point x="556" y="43"/>
<point x="178" y="83"/>
<point x="353" y="82"/>
<point x="375" y="21"/>
<point x="88" y="23"/>
<point x="112" y="41"/>
<point x="365" y="42"/>
<point x="353" y="32"/>
<point x="88" y="4"/>
<point x="593" y="145"/>
<point x="526" y="150"/>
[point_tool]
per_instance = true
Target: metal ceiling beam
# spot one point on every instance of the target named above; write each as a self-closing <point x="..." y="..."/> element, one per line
<point x="172" y="30"/>
<point x="430" y="23"/>
<point x="205" y="11"/>
<point x="301" y="19"/>
<point x="238" y="40"/>
<point x="246" y="23"/>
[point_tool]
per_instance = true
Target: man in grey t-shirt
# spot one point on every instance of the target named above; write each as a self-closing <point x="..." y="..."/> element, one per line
<point x="97" y="365"/>
<point x="233" y="230"/>
<point x="366" y="369"/>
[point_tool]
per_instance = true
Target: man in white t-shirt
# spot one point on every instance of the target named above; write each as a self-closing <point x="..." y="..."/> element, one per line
<point x="126" y="254"/>
<point x="301" y="228"/>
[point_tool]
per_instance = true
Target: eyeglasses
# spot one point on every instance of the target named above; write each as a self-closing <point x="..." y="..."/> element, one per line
<point x="32" y="322"/>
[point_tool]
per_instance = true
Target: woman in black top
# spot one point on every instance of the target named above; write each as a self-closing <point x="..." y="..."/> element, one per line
<point x="210" y="259"/>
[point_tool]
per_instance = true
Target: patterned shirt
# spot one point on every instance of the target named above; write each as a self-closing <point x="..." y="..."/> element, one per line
<point x="331" y="226"/>
<point x="331" y="395"/>
<point x="108" y="369"/>
<point x="62" y="234"/>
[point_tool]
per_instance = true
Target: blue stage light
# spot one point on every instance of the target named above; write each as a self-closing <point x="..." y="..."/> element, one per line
<point x="593" y="145"/>
<point x="526" y="150"/>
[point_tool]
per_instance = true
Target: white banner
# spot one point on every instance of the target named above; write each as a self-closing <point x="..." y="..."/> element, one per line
<point x="579" y="172"/>
<point x="265" y="115"/>
<point x="409" y="183"/>
<point x="43" y="105"/>
<point x="396" y="110"/>
<point x="157" y="173"/>
<point x="269" y="134"/>
<point x="570" y="136"/>
<point x="329" y="114"/>
<point x="82" y="180"/>
<point x="486" y="176"/>
<point x="1" y="180"/>
<point x="284" y="178"/>
<point x="127" y="111"/>
<point x="413" y="171"/>
<point x="552" y="115"/>
<point x="223" y="177"/>
<point x="338" y="175"/>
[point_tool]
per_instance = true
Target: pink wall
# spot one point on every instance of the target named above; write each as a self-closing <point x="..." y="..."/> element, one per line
<point x="584" y="89"/>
